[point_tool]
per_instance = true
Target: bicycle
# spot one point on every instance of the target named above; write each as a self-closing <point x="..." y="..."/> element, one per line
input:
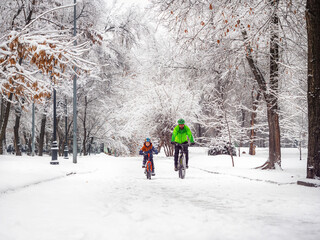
<point x="182" y="160"/>
<point x="148" y="168"/>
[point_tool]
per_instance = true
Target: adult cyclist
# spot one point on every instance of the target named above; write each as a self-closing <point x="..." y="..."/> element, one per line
<point x="179" y="135"/>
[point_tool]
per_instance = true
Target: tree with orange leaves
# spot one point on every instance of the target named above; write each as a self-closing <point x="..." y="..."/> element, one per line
<point x="26" y="54"/>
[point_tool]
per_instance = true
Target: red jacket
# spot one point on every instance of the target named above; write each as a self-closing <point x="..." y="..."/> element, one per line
<point x="145" y="148"/>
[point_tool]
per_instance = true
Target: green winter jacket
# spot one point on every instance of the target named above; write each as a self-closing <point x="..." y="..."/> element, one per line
<point x="180" y="135"/>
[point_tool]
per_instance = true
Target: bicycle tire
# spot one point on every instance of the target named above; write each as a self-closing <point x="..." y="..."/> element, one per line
<point x="183" y="171"/>
<point x="182" y="167"/>
<point x="148" y="175"/>
<point x="179" y="166"/>
<point x="148" y="170"/>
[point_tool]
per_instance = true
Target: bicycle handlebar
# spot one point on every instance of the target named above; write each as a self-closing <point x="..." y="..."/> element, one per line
<point x="181" y="144"/>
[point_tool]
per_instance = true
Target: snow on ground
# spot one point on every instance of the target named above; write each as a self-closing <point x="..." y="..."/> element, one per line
<point x="293" y="168"/>
<point x="110" y="198"/>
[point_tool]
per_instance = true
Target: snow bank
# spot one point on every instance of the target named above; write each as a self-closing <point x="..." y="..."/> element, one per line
<point x="22" y="171"/>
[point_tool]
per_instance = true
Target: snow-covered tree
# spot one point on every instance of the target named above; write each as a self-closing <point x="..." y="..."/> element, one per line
<point x="259" y="34"/>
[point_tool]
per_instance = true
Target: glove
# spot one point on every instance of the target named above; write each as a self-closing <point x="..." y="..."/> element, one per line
<point x="141" y="152"/>
<point x="172" y="143"/>
<point x="192" y="143"/>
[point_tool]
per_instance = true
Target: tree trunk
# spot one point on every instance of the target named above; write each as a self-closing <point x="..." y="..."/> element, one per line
<point x="17" y="143"/>
<point x="167" y="146"/>
<point x="255" y="101"/>
<point x="47" y="143"/>
<point x="5" y="123"/>
<point x="61" y="137"/>
<point x="160" y="145"/>
<point x="2" y="113"/>
<point x="273" y="117"/>
<point x="313" y="28"/>
<point x="300" y="150"/>
<point x="42" y="133"/>
<point x="243" y="117"/>
<point x="90" y="145"/>
<point x="274" y="139"/>
<point x="168" y="149"/>
<point x="2" y="110"/>
<point x="28" y="142"/>
<point x="270" y="95"/>
<point x="229" y="134"/>
<point x="29" y="145"/>
<point x="199" y="133"/>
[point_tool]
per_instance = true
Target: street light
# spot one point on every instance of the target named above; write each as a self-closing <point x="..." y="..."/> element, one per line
<point x="66" y="131"/>
<point x="54" y="147"/>
<point x="74" y="153"/>
<point x="32" y="136"/>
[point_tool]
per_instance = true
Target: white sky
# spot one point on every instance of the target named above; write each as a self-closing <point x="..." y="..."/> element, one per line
<point x="142" y="3"/>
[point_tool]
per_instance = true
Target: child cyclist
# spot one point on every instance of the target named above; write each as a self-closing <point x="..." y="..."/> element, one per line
<point x="148" y="148"/>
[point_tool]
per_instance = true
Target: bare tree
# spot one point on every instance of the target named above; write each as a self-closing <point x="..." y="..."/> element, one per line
<point x="313" y="27"/>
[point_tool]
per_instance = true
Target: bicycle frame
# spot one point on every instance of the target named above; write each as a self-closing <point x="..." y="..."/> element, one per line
<point x="181" y="161"/>
<point x="148" y="169"/>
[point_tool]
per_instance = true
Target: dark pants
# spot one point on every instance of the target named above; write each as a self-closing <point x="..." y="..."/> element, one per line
<point x="145" y="159"/>
<point x="176" y="154"/>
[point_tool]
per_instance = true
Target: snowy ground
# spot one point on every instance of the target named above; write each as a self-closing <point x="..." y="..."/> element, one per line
<point x="110" y="198"/>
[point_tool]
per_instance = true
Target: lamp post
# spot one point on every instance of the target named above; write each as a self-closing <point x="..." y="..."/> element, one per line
<point x="66" y="131"/>
<point x="54" y="147"/>
<point x="32" y="136"/>
<point x="75" y="149"/>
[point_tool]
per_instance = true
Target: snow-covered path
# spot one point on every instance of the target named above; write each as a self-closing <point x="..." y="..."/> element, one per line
<point x="114" y="200"/>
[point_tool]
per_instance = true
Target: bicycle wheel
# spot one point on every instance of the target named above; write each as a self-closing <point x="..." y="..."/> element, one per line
<point x="148" y="175"/>
<point x="182" y="167"/>
<point x="148" y="169"/>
